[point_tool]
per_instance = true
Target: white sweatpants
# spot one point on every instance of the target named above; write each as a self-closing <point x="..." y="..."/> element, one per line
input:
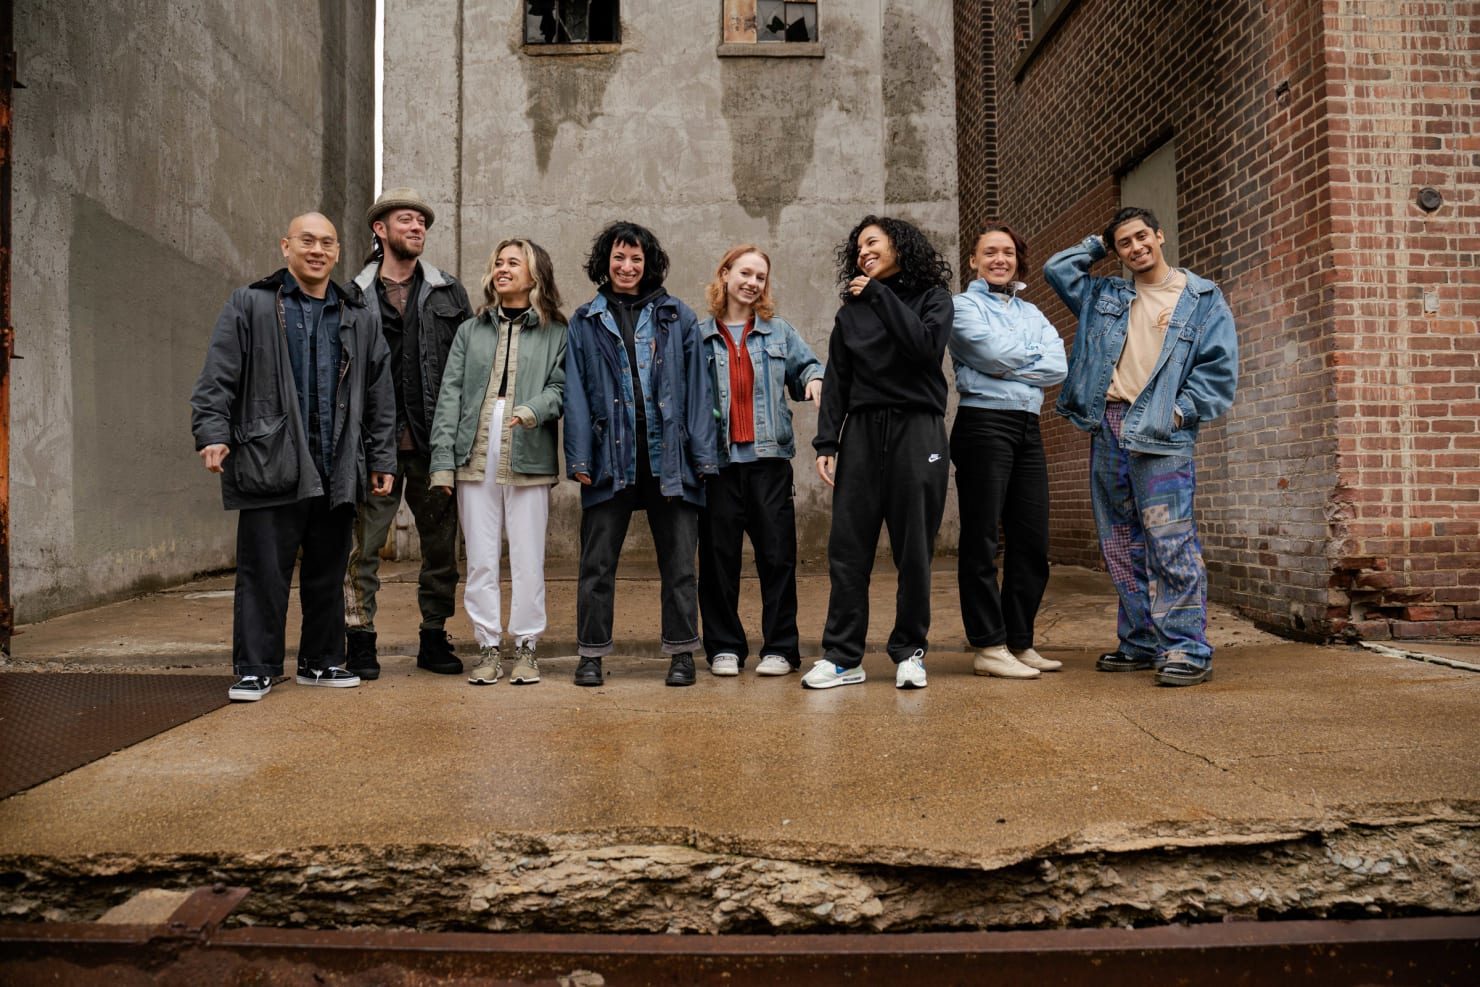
<point x="487" y="512"/>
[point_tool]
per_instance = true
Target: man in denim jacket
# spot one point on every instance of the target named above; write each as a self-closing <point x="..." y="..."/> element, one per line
<point x="1153" y="358"/>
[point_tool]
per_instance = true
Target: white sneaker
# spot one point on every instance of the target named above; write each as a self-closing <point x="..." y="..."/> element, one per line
<point x="824" y="675"/>
<point x="725" y="665"/>
<point x="999" y="661"/>
<point x="910" y="673"/>
<point x="774" y="665"/>
<point x="1033" y="659"/>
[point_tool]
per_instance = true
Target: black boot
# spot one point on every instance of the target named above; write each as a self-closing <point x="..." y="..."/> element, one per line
<point x="359" y="653"/>
<point x="436" y="654"/>
<point x="588" y="671"/>
<point x="681" y="669"/>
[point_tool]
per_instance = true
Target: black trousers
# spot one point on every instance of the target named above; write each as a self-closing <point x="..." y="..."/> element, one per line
<point x="674" y="524"/>
<point x="753" y="499"/>
<point x="892" y="470"/>
<point x="1001" y="479"/>
<point x="268" y="540"/>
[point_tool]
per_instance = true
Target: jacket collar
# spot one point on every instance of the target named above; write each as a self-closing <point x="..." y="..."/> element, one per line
<point x="709" y="328"/>
<point x="431" y="277"/>
<point x="280" y="279"/>
<point x="1195" y="284"/>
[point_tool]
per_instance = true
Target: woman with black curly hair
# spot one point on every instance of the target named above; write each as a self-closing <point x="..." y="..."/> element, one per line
<point x="889" y="466"/>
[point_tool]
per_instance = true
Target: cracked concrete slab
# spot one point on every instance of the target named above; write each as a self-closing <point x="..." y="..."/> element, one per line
<point x="1302" y="780"/>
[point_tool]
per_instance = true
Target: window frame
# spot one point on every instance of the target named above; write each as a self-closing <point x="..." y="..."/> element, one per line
<point x="738" y="34"/>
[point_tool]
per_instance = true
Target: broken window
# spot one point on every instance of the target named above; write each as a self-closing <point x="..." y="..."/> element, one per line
<point x="567" y="22"/>
<point x="1042" y="14"/>
<point x="765" y="21"/>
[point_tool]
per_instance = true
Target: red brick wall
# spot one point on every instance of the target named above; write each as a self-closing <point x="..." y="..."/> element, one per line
<point x="1342" y="493"/>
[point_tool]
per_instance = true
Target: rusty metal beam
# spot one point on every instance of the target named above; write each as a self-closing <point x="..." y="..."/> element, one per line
<point x="1409" y="952"/>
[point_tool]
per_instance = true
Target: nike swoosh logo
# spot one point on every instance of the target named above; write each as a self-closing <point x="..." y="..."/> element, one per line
<point x="934" y="458"/>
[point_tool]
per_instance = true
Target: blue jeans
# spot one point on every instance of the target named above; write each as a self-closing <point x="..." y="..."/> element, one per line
<point x="1148" y="537"/>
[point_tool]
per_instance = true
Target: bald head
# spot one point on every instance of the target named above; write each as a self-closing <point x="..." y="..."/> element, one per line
<point x="311" y="249"/>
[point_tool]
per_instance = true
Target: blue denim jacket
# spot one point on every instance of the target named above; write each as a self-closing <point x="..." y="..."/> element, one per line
<point x="783" y="363"/>
<point x="1003" y="350"/>
<point x="600" y="421"/>
<point x="1195" y="375"/>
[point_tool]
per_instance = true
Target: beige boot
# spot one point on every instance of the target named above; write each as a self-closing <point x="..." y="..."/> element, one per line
<point x="999" y="661"/>
<point x="1033" y="659"/>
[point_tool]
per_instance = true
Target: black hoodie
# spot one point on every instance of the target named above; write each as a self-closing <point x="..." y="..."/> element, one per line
<point x="886" y="351"/>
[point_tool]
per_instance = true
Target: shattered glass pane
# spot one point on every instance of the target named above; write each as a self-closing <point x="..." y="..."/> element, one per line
<point x="777" y="20"/>
<point x="559" y="22"/>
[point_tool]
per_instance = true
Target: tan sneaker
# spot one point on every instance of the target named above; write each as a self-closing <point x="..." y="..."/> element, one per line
<point x="490" y="665"/>
<point x="999" y="661"/>
<point x="1033" y="659"/>
<point x="526" y="666"/>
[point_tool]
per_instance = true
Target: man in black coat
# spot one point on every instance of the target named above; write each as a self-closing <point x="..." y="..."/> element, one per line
<point x="292" y="408"/>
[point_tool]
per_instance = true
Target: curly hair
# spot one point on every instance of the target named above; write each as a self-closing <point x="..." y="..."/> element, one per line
<point x="654" y="260"/>
<point x="920" y="265"/>
<point x="715" y="295"/>
<point x="544" y="297"/>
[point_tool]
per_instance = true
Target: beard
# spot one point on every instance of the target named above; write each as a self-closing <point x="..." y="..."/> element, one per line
<point x="399" y="248"/>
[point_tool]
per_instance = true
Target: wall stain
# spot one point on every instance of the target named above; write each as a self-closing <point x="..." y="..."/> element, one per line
<point x="911" y="71"/>
<point x="771" y="106"/>
<point x="563" y="90"/>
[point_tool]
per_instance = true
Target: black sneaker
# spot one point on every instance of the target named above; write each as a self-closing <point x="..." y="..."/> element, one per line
<point x="1119" y="661"/>
<point x="680" y="669"/>
<point x="588" y="671"/>
<point x="335" y="677"/>
<point x="359" y="654"/>
<point x="1183" y="673"/>
<point x="436" y="654"/>
<point x="249" y="689"/>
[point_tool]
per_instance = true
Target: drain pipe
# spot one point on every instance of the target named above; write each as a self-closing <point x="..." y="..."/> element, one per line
<point x="7" y="333"/>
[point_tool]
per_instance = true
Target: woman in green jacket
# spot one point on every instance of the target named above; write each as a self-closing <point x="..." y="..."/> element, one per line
<point x="495" y="436"/>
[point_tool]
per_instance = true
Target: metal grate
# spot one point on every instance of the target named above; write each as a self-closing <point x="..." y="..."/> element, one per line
<point x="52" y="723"/>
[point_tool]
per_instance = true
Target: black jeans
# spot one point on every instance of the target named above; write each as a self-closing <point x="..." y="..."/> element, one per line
<point x="1001" y="478"/>
<point x="892" y="470"/>
<point x="752" y="499"/>
<point x="674" y="524"/>
<point x="268" y="540"/>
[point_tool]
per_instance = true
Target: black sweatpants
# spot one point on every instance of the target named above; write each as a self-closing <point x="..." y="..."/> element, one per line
<point x="268" y="540"/>
<point x="892" y="470"/>
<point x="753" y="499"/>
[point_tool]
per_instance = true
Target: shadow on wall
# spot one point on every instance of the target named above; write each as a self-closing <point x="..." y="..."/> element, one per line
<point x="563" y="90"/>
<point x="911" y="70"/>
<point x="771" y="106"/>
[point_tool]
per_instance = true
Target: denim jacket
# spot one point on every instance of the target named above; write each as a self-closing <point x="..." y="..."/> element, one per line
<point x="1003" y="350"/>
<point x="783" y="363"/>
<point x="600" y="421"/>
<point x="1195" y="375"/>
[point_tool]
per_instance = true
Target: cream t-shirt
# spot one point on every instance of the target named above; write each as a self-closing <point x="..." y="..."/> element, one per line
<point x="1151" y="313"/>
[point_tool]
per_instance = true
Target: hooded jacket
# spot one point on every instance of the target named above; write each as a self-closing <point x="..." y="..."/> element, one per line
<point x="245" y="398"/>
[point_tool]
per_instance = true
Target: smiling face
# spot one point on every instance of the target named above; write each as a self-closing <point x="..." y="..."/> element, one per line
<point x="311" y="249"/>
<point x="995" y="258"/>
<point x="403" y="231"/>
<point x="745" y="279"/>
<point x="1139" y="246"/>
<point x="626" y="267"/>
<point x="876" y="256"/>
<point x="512" y="278"/>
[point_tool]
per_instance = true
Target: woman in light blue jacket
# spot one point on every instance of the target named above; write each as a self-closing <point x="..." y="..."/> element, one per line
<point x="755" y="361"/>
<point x="1005" y="355"/>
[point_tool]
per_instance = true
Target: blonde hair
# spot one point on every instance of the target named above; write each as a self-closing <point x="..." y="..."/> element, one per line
<point x="714" y="292"/>
<point x="544" y="297"/>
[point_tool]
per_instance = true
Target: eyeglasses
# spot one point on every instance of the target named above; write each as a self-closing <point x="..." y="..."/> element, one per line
<point x="307" y="241"/>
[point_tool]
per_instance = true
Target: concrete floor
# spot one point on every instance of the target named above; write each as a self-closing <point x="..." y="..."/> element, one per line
<point x="1289" y="746"/>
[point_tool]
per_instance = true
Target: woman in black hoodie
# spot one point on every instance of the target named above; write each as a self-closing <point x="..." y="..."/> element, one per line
<point x="890" y="465"/>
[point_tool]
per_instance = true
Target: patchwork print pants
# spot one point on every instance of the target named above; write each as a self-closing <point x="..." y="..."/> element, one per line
<point x="1143" y="513"/>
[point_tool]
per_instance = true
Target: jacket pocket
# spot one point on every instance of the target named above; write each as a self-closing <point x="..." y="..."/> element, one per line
<point x="1108" y="312"/>
<point x="265" y="457"/>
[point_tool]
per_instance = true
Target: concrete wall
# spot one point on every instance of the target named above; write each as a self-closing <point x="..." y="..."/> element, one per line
<point x="160" y="151"/>
<point x="706" y="150"/>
